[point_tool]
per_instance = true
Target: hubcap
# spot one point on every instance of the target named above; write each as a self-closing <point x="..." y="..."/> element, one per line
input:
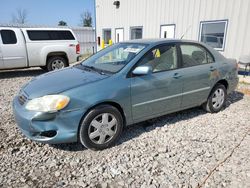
<point x="57" y="64"/>
<point x="218" y="98"/>
<point x="102" y="128"/>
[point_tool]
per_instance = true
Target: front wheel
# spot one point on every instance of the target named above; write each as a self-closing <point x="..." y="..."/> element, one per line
<point x="101" y="127"/>
<point x="216" y="100"/>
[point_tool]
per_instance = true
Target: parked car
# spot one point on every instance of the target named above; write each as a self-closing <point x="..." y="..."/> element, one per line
<point x="123" y="84"/>
<point x="48" y="48"/>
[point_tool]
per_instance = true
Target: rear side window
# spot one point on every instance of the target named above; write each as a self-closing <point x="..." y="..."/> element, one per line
<point x="193" y="55"/>
<point x="8" y="37"/>
<point x="50" y="35"/>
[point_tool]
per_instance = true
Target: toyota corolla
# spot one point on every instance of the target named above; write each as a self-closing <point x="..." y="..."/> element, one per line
<point x="123" y="84"/>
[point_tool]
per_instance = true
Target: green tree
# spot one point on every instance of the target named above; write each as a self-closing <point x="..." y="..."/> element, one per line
<point x="62" y="23"/>
<point x="86" y="19"/>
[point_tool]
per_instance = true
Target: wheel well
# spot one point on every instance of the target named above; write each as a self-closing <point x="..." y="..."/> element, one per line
<point x="114" y="104"/>
<point x="61" y="54"/>
<point x="223" y="82"/>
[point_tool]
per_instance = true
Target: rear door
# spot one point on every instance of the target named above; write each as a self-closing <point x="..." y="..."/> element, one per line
<point x="159" y="92"/>
<point x="199" y="74"/>
<point x="13" y="48"/>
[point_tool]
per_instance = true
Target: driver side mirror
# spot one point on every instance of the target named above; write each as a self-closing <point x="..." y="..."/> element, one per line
<point x="142" y="70"/>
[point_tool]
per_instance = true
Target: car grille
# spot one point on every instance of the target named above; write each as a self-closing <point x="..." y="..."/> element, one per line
<point x="22" y="99"/>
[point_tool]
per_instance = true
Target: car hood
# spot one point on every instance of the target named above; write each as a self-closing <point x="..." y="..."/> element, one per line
<point x="59" y="81"/>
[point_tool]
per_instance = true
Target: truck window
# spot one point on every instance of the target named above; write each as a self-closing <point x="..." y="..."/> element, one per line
<point x="8" y="36"/>
<point x="50" y="35"/>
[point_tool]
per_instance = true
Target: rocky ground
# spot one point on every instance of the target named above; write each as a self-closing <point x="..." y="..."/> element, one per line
<point x="191" y="148"/>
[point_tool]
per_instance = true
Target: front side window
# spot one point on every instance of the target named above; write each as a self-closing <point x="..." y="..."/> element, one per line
<point x="8" y="37"/>
<point x="213" y="33"/>
<point x="193" y="55"/>
<point x="37" y="35"/>
<point x="106" y="36"/>
<point x="161" y="58"/>
<point x="113" y="58"/>
<point x="135" y="33"/>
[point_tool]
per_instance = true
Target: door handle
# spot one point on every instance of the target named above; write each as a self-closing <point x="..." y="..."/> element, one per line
<point x="177" y="75"/>
<point x="212" y="68"/>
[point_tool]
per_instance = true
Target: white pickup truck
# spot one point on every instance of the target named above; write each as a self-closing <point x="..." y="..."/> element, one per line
<point x="48" y="48"/>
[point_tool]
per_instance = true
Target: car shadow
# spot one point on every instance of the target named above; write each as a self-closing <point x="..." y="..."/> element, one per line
<point x="5" y="74"/>
<point x="234" y="97"/>
<point x="137" y="129"/>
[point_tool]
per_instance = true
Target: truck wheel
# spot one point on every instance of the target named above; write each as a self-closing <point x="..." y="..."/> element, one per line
<point x="101" y="127"/>
<point x="216" y="100"/>
<point x="56" y="62"/>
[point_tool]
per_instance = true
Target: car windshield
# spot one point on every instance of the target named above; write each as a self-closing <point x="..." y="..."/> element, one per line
<point x="113" y="58"/>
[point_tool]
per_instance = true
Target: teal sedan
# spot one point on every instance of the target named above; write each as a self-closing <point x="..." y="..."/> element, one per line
<point x="123" y="84"/>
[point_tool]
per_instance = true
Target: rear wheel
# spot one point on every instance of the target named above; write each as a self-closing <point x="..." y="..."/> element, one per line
<point x="216" y="100"/>
<point x="101" y="127"/>
<point x="56" y="62"/>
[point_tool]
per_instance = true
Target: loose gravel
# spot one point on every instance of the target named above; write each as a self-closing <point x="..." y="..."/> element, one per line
<point x="191" y="148"/>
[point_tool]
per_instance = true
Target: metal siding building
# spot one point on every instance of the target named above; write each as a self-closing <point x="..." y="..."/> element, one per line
<point x="186" y="15"/>
<point x="86" y="39"/>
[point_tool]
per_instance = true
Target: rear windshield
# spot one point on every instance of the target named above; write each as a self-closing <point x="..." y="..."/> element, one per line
<point x="50" y="35"/>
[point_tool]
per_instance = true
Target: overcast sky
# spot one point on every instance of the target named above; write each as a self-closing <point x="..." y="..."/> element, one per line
<point x="47" y="12"/>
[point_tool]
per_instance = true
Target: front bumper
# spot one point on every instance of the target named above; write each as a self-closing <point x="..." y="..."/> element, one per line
<point x="51" y="128"/>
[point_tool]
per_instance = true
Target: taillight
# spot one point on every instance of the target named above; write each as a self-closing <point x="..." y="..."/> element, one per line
<point x="78" y="48"/>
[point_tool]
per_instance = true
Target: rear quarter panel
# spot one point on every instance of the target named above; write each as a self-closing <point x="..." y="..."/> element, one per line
<point x="226" y="70"/>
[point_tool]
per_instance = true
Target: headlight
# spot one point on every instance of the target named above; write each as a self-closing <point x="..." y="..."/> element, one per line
<point x="48" y="103"/>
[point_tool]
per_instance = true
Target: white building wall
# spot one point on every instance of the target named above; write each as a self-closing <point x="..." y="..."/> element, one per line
<point x="184" y="14"/>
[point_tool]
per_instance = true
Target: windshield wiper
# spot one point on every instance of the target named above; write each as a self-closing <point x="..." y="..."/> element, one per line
<point x="92" y="68"/>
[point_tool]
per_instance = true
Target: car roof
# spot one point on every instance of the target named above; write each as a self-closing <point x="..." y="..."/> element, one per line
<point x="159" y="41"/>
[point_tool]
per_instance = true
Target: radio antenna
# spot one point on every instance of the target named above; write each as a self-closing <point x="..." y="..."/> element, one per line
<point x="185" y="32"/>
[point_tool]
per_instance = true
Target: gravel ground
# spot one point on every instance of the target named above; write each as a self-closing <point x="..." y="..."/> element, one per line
<point x="186" y="149"/>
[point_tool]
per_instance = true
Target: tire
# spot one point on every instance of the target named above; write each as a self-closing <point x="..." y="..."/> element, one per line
<point x="101" y="127"/>
<point x="216" y="100"/>
<point x="56" y="62"/>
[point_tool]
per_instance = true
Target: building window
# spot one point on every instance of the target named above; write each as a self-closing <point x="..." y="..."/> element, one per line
<point x="167" y="31"/>
<point x="8" y="37"/>
<point x="213" y="33"/>
<point x="106" y="35"/>
<point x="135" y="33"/>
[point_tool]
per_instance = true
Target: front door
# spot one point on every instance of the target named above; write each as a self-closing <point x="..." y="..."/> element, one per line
<point x="13" y="48"/>
<point x="167" y="31"/>
<point x="159" y="92"/>
<point x="199" y="74"/>
<point x="119" y="35"/>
